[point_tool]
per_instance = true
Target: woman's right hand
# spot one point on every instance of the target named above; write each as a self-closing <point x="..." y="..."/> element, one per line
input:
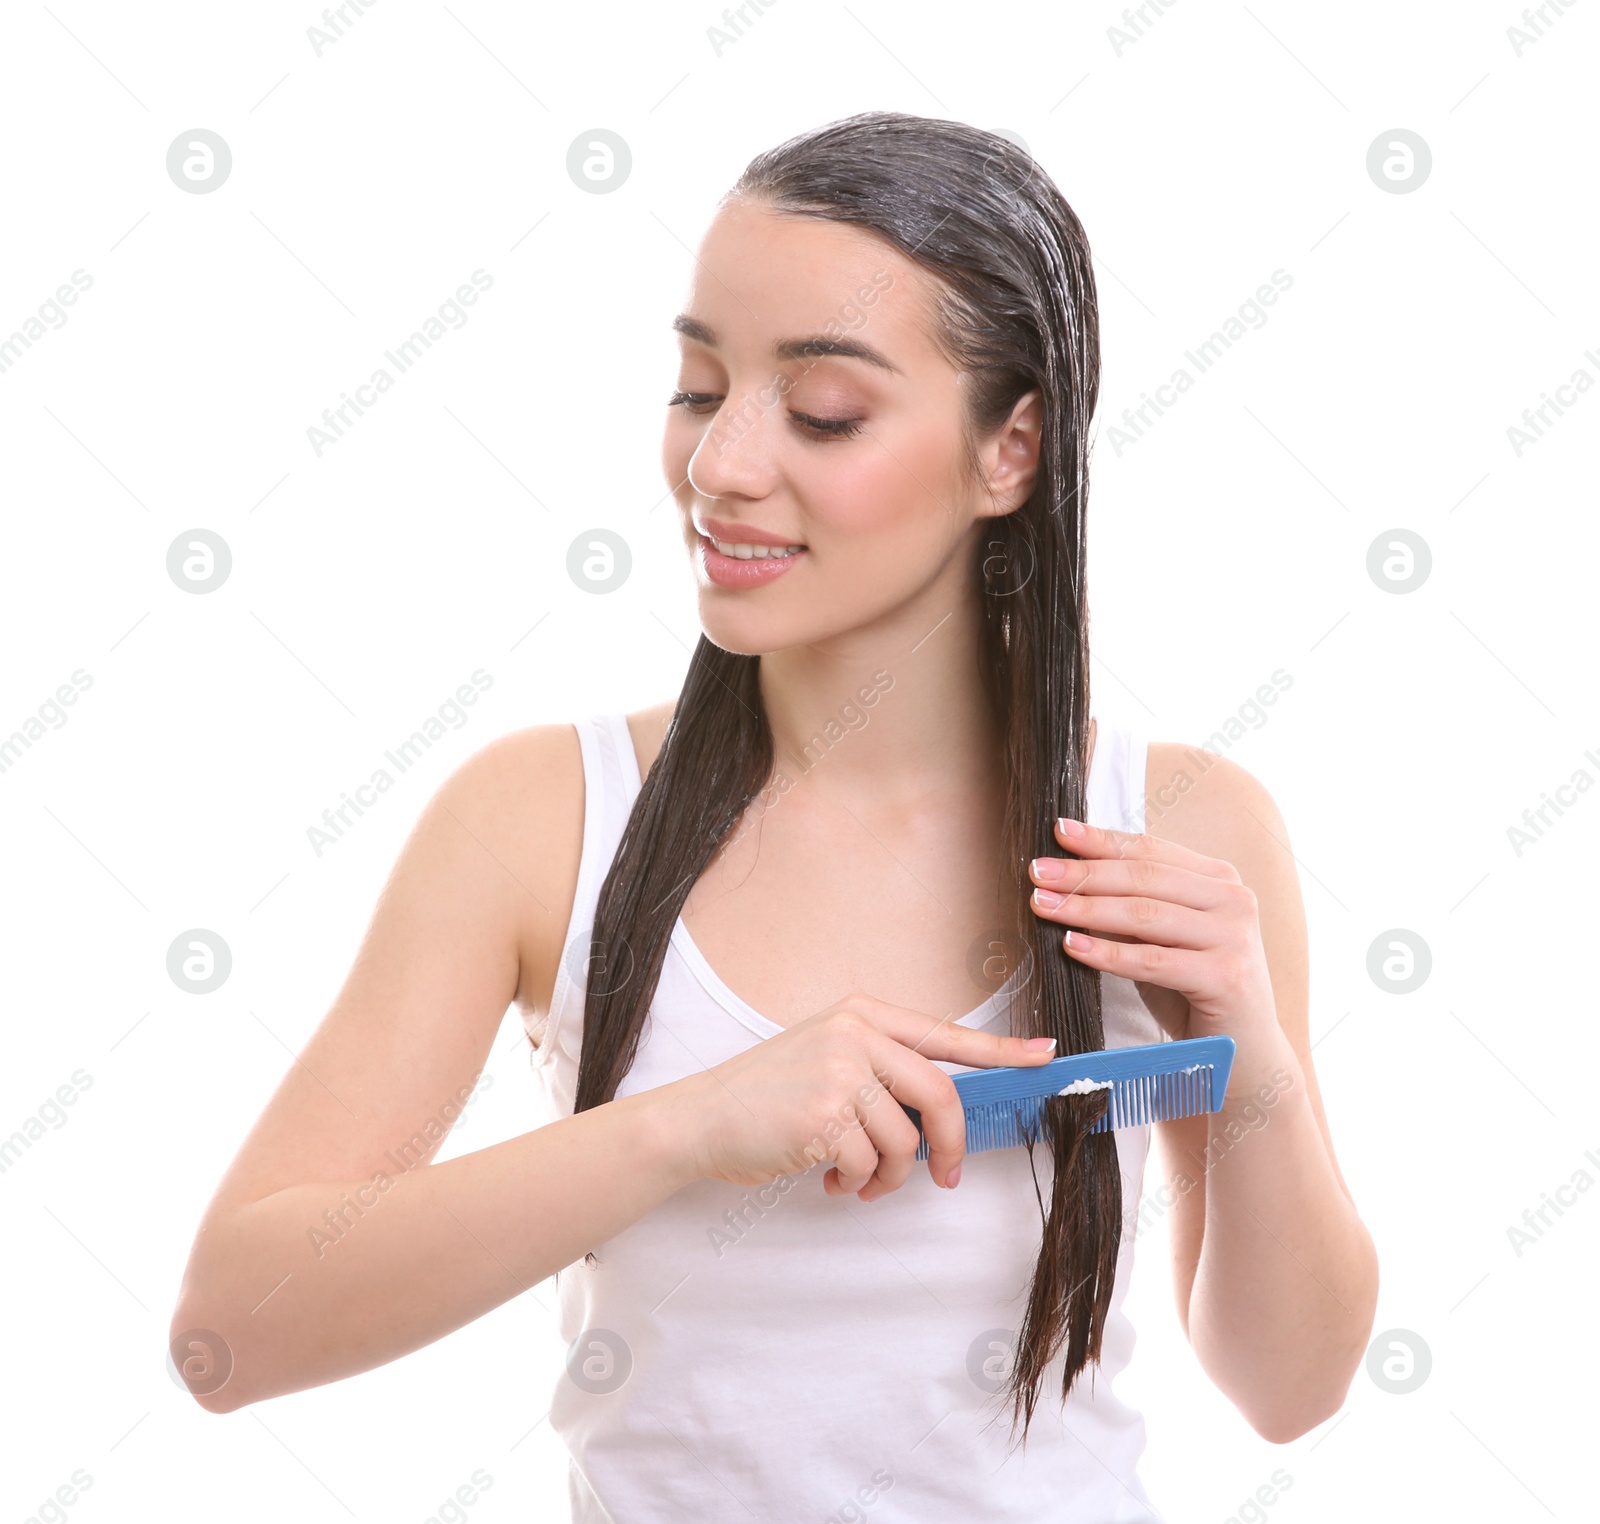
<point x="833" y="1087"/>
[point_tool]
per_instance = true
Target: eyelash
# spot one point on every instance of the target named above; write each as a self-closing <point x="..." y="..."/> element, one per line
<point x="827" y="428"/>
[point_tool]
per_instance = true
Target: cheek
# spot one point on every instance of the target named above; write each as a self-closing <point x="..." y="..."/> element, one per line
<point x="893" y="488"/>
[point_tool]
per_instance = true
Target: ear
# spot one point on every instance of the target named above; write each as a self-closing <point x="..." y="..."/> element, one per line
<point x="1010" y="457"/>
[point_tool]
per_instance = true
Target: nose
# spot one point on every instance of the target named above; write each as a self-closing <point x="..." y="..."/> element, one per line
<point x="734" y="458"/>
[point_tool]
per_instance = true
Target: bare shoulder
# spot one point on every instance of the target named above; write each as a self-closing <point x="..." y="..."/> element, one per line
<point x="467" y="920"/>
<point x="1212" y="805"/>
<point x="521" y="798"/>
<point x="1209" y="803"/>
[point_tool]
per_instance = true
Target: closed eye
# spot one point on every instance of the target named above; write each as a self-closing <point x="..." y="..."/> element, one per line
<point x="697" y="404"/>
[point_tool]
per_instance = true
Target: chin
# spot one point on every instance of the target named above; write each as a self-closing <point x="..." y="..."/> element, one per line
<point x="744" y="632"/>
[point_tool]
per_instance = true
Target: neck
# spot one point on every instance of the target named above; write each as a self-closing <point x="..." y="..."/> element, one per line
<point x="894" y="711"/>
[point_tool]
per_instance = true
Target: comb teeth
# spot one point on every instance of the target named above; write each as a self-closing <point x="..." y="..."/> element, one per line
<point x="1135" y="1099"/>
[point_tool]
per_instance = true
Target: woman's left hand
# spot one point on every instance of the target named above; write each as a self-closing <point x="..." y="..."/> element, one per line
<point x="1181" y="925"/>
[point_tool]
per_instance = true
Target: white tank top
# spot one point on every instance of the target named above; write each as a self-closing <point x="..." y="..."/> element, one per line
<point x="756" y="1353"/>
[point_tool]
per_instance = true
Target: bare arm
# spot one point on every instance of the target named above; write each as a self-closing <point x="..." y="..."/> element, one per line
<point x="332" y="1244"/>
<point x="441" y="1246"/>
<point x="1275" y="1272"/>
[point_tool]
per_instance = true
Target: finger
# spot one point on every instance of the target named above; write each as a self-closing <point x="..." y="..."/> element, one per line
<point x="934" y="1095"/>
<point x="855" y="1160"/>
<point x="1133" y="915"/>
<point x="915" y="1081"/>
<point x="1172" y="968"/>
<point x="948" y="1041"/>
<point x="1100" y="841"/>
<point x="1146" y="876"/>
<point x="895" y="1137"/>
<point x="913" y="1043"/>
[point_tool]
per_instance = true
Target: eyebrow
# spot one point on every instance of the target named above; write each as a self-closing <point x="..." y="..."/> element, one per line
<point x="817" y="346"/>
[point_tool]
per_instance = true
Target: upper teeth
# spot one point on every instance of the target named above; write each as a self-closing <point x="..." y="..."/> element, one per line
<point x="755" y="552"/>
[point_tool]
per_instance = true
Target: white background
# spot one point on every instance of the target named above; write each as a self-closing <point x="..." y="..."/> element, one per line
<point x="1230" y="541"/>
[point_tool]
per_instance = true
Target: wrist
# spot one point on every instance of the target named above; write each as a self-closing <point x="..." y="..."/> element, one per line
<point x="666" y="1135"/>
<point x="1265" y="1067"/>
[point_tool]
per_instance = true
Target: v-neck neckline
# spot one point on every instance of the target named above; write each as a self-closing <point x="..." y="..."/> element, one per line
<point x="729" y="999"/>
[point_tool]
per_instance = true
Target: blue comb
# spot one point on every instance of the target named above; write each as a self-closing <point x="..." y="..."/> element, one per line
<point x="1155" y="1082"/>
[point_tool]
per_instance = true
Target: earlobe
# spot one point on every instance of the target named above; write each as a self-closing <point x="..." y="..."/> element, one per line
<point x="1019" y="451"/>
<point x="1009" y="489"/>
<point x="1015" y="461"/>
<point x="1012" y="479"/>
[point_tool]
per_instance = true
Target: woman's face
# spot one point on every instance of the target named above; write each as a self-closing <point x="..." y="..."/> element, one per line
<point x="856" y="457"/>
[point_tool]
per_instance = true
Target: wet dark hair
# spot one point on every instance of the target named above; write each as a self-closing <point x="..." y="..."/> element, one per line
<point x="1016" y="311"/>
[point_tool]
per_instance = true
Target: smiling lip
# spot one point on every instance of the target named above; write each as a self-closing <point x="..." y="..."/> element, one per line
<point x="731" y="572"/>
<point x="741" y="534"/>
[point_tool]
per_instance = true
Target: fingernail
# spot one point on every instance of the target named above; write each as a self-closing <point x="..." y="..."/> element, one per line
<point x="1045" y="899"/>
<point x="1039" y="1045"/>
<point x="953" y="1178"/>
<point x="1069" y="827"/>
<point x="1047" y="869"/>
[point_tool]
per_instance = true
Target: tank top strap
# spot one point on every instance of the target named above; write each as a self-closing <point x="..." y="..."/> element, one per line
<point x="610" y="782"/>
<point x="1115" y="795"/>
<point x="626" y="758"/>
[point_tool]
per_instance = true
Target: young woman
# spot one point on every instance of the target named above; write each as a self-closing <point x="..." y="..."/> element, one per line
<point x="746" y="927"/>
